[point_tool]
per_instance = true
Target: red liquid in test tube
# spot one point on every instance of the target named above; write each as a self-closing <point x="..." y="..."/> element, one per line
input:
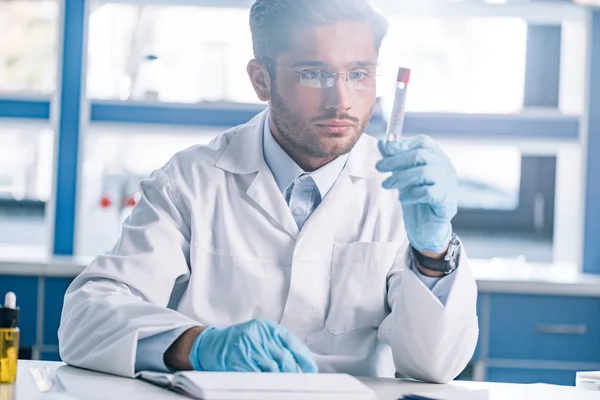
<point x="396" y="122"/>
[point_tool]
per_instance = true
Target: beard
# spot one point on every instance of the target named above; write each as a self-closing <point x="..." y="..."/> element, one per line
<point x="297" y="137"/>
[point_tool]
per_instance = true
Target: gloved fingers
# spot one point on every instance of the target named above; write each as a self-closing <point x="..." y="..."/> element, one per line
<point x="249" y="351"/>
<point x="442" y="204"/>
<point x="415" y="142"/>
<point x="299" y="351"/>
<point x="416" y="195"/>
<point x="283" y="357"/>
<point x="236" y="354"/>
<point x="267" y="365"/>
<point x="242" y="365"/>
<point x="416" y="176"/>
<point x="305" y="362"/>
<point x="424" y="194"/>
<point x="409" y="159"/>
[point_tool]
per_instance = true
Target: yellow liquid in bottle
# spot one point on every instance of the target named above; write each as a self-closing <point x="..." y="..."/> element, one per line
<point x="9" y="353"/>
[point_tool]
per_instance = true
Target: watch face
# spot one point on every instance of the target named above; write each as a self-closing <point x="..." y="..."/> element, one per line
<point x="456" y="253"/>
<point x="453" y="248"/>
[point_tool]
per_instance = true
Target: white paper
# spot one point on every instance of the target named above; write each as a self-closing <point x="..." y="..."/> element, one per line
<point x="157" y="378"/>
<point x="450" y="392"/>
<point x="247" y="385"/>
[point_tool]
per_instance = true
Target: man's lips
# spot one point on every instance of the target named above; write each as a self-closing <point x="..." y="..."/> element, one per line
<point x="337" y="123"/>
<point x="335" y="126"/>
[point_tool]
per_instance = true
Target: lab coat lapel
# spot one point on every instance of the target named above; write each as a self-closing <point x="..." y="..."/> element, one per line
<point x="265" y="193"/>
<point x="244" y="155"/>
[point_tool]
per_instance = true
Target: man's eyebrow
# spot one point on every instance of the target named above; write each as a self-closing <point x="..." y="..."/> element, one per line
<point x="364" y="64"/>
<point x="309" y="64"/>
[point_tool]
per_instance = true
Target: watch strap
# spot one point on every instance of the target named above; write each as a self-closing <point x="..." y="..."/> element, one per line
<point x="447" y="264"/>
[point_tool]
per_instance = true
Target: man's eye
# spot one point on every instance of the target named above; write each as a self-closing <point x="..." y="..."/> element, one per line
<point x="358" y="75"/>
<point x="312" y="74"/>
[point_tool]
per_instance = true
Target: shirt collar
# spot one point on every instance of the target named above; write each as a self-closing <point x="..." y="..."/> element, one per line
<point x="285" y="170"/>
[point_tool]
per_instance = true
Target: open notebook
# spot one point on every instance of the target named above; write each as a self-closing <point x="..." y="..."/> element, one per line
<point x="248" y="385"/>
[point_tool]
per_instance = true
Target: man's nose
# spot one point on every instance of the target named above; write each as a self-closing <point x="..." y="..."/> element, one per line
<point x="339" y="96"/>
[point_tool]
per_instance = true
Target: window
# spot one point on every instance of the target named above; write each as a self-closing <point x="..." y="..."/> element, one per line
<point x="467" y="65"/>
<point x="489" y="175"/>
<point x="28" y="59"/>
<point x="25" y="183"/>
<point x="115" y="160"/>
<point x="169" y="53"/>
<point x="506" y="200"/>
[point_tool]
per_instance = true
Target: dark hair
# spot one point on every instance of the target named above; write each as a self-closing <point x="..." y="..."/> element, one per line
<point x="272" y="22"/>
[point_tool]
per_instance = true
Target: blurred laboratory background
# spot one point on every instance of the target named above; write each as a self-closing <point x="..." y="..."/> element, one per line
<point x="96" y="94"/>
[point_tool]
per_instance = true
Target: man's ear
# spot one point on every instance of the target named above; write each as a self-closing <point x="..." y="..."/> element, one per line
<point x="261" y="81"/>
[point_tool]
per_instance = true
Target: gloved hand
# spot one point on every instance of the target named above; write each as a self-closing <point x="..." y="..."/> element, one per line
<point x="254" y="346"/>
<point x="428" y="186"/>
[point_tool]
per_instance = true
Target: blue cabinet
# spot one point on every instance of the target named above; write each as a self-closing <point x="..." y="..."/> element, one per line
<point x="54" y="294"/>
<point x="26" y="289"/>
<point x="540" y="338"/>
<point x="480" y="300"/>
<point x="557" y="328"/>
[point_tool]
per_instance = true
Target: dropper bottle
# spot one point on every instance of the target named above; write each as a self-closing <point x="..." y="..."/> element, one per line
<point x="9" y="339"/>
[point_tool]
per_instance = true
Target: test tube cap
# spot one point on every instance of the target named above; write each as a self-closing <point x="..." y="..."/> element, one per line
<point x="404" y="75"/>
<point x="9" y="315"/>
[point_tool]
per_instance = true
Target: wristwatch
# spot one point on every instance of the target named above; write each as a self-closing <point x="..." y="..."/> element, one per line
<point x="447" y="264"/>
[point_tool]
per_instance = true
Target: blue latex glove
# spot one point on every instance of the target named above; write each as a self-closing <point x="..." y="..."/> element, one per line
<point x="428" y="186"/>
<point x="254" y="346"/>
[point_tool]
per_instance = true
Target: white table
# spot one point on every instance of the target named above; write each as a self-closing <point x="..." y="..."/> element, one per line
<point x="78" y="384"/>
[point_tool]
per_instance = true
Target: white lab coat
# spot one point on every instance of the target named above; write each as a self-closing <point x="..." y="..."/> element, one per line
<point x="213" y="242"/>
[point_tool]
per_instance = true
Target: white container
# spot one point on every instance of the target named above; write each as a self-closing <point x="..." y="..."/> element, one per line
<point x="588" y="380"/>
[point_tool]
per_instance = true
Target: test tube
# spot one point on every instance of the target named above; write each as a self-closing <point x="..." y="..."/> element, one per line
<point x="396" y="122"/>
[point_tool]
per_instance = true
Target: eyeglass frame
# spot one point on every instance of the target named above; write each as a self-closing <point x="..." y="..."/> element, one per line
<point x="331" y="75"/>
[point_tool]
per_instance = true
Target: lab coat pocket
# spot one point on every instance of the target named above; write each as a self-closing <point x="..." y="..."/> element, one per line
<point x="358" y="285"/>
<point x="225" y="289"/>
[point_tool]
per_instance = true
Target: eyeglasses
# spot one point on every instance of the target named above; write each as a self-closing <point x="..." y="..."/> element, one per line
<point x="360" y="78"/>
